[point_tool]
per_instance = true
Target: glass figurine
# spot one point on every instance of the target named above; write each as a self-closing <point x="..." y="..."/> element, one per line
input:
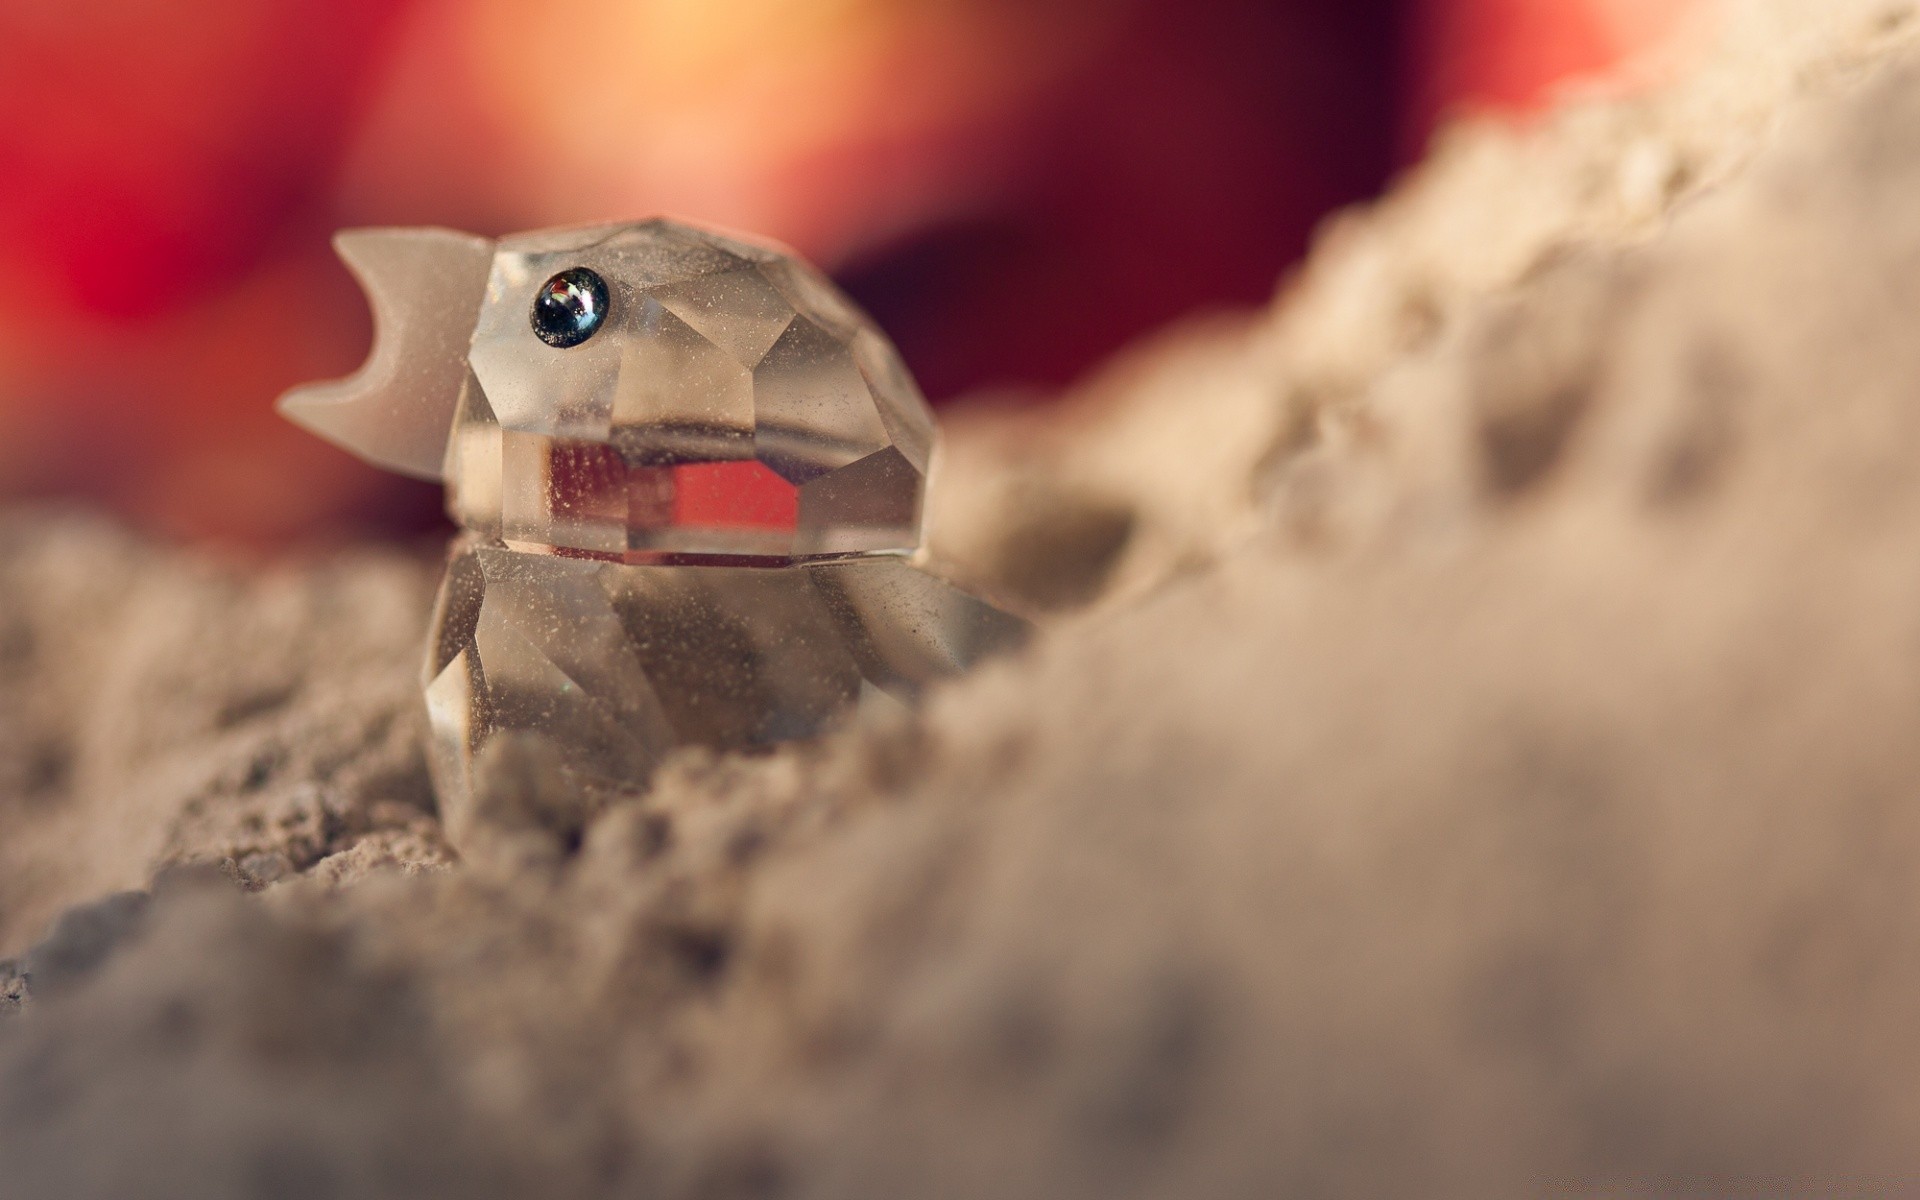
<point x="689" y="474"/>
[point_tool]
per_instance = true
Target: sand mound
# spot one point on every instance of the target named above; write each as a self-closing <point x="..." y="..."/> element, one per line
<point x="1472" y="754"/>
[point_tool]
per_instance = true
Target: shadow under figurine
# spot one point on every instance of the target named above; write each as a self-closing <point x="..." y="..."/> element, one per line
<point x="689" y="474"/>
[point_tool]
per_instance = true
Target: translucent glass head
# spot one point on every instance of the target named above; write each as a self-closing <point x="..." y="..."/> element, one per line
<point x="645" y="393"/>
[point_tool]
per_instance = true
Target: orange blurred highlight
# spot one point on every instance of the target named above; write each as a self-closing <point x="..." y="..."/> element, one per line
<point x="828" y="125"/>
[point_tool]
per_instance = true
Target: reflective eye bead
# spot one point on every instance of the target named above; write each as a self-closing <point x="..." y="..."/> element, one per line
<point x="569" y="308"/>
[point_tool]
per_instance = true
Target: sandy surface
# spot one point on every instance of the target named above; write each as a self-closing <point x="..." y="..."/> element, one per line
<point x="1474" y="753"/>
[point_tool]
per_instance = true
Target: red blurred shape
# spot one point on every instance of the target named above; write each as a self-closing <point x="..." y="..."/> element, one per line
<point x="1517" y="55"/>
<point x="734" y="495"/>
<point x="151" y="150"/>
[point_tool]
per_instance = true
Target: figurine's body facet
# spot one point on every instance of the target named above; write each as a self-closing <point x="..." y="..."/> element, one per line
<point x="690" y="473"/>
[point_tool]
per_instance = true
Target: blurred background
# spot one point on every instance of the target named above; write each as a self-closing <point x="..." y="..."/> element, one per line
<point x="1014" y="188"/>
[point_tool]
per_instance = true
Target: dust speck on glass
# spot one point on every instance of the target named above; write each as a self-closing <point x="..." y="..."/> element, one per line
<point x="690" y="510"/>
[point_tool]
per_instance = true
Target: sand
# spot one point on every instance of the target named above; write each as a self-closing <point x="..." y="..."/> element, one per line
<point x="1472" y="751"/>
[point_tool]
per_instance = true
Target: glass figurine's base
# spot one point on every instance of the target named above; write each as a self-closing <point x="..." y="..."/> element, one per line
<point x="601" y="668"/>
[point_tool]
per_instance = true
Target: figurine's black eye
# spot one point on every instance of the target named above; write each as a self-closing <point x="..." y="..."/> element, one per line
<point x="570" y="307"/>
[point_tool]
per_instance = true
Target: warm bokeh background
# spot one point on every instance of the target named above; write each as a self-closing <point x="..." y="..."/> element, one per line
<point x="1013" y="187"/>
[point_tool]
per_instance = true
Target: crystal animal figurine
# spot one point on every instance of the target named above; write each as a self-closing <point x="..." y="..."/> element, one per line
<point x="689" y="474"/>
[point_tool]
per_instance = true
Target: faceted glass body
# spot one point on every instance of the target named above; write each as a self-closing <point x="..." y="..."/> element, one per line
<point x="607" y="666"/>
<point x="732" y="407"/>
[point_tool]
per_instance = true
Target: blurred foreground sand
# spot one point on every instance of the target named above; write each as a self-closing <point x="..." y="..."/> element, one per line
<point x="1474" y="753"/>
